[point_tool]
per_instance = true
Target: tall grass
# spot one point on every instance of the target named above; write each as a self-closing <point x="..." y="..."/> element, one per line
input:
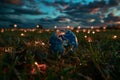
<point x="95" y="60"/>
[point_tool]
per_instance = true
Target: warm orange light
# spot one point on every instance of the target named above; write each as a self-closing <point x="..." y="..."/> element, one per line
<point x="114" y="37"/>
<point x="2" y="30"/>
<point x="92" y="27"/>
<point x="55" y="27"/>
<point x="93" y="32"/>
<point x="43" y="43"/>
<point x="22" y="34"/>
<point x="12" y="30"/>
<point x="88" y="32"/>
<point x="47" y="30"/>
<point x="77" y="31"/>
<point x="84" y="30"/>
<point x="32" y="30"/>
<point x="15" y="25"/>
<point x="97" y="30"/>
<point x="40" y="31"/>
<point x="85" y="36"/>
<point x="68" y="27"/>
<point x="36" y="63"/>
<point x="25" y="31"/>
<point x="40" y="67"/>
<point x="104" y="27"/>
<point x="89" y="39"/>
<point x="37" y="26"/>
<point x="79" y="27"/>
<point x="36" y="42"/>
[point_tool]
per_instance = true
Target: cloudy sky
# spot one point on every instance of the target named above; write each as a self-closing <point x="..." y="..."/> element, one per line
<point x="50" y="13"/>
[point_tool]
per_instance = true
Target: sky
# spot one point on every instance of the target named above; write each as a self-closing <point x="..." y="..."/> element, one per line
<point x="61" y="13"/>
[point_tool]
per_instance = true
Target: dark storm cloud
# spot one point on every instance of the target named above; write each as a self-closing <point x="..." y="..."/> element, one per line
<point x="85" y="13"/>
<point x="15" y="9"/>
<point x="91" y="7"/>
<point x="75" y="13"/>
<point x="82" y="14"/>
<point x="60" y="21"/>
<point x="49" y="3"/>
<point x="113" y="2"/>
<point x="61" y="3"/>
<point x="8" y="19"/>
<point x="93" y="11"/>
<point x="20" y="11"/>
<point x="55" y="3"/>
<point x="62" y="18"/>
<point x="112" y="18"/>
<point x="19" y="7"/>
<point x="11" y="9"/>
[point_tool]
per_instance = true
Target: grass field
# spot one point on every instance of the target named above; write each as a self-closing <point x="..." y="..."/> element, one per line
<point x="25" y="55"/>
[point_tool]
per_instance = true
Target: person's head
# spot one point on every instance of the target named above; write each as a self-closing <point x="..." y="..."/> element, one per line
<point x="60" y="32"/>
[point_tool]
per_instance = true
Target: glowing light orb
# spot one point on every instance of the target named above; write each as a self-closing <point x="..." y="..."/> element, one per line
<point x="15" y="25"/>
<point x="37" y="26"/>
<point x="85" y="36"/>
<point x="22" y="34"/>
<point x="43" y="43"/>
<point x="55" y="27"/>
<point x="93" y="32"/>
<point x="114" y="37"/>
<point x="79" y="27"/>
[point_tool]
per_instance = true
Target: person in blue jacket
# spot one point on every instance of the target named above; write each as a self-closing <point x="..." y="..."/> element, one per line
<point x="72" y="39"/>
<point x="56" y="43"/>
<point x="62" y="39"/>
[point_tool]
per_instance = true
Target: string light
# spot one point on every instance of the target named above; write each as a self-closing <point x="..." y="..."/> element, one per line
<point x="104" y="28"/>
<point x="25" y="31"/>
<point x="12" y="30"/>
<point x="40" y="67"/>
<point x="37" y="42"/>
<point x="89" y="39"/>
<point x="68" y="27"/>
<point x="32" y="30"/>
<point x="80" y="64"/>
<point x="15" y="25"/>
<point x="36" y="63"/>
<point x="43" y="43"/>
<point x="55" y="27"/>
<point x="97" y="30"/>
<point x="37" y="26"/>
<point x="84" y="30"/>
<point x="77" y="31"/>
<point x="22" y="34"/>
<point x="9" y="49"/>
<point x="93" y="32"/>
<point x="79" y="27"/>
<point x="40" y="31"/>
<point x="47" y="30"/>
<point x="88" y="32"/>
<point x="114" y="37"/>
<point x="2" y="30"/>
<point x="85" y="36"/>
<point x="92" y="27"/>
